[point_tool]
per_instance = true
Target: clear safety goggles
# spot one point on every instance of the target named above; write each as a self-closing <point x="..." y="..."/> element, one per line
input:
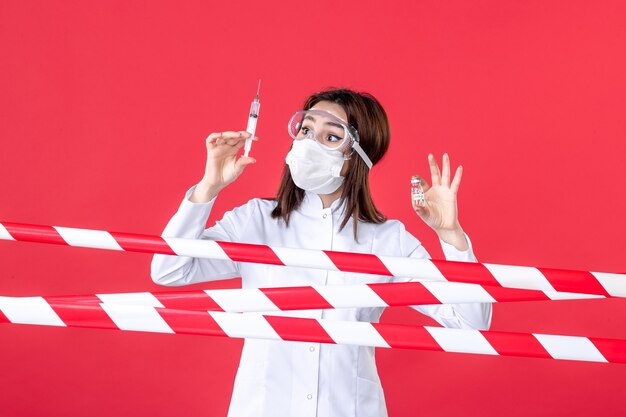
<point x="330" y="131"/>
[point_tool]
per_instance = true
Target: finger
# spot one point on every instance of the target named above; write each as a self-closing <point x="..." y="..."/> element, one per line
<point x="243" y="162"/>
<point x="212" y="137"/>
<point x="445" y="176"/>
<point x="456" y="181"/>
<point x="418" y="209"/>
<point x="237" y="134"/>
<point x="421" y="211"/>
<point x="227" y="137"/>
<point x="240" y="141"/>
<point x="434" y="170"/>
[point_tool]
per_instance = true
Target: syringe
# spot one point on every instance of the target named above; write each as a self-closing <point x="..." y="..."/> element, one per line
<point x="252" y="119"/>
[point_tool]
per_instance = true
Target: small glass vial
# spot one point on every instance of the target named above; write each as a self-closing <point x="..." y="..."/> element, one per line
<point x="417" y="192"/>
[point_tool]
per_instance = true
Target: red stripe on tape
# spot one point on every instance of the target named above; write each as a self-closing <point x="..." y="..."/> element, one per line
<point x="82" y="315"/>
<point x="296" y="298"/>
<point x="519" y="344"/>
<point x="191" y="322"/>
<point x="142" y="243"/>
<point x="299" y="329"/>
<point x="573" y="281"/>
<point x="470" y="272"/>
<point x="403" y="293"/>
<point x="501" y="294"/>
<point x="3" y="318"/>
<point x="358" y="262"/>
<point x="187" y="300"/>
<point x="406" y="337"/>
<point x="34" y="233"/>
<point x="613" y="350"/>
<point x="250" y="253"/>
<point x="72" y="299"/>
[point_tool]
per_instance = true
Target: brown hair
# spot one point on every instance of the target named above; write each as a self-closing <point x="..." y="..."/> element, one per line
<point x="369" y="118"/>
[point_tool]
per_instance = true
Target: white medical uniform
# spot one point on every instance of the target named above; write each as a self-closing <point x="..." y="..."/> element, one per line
<point x="301" y="379"/>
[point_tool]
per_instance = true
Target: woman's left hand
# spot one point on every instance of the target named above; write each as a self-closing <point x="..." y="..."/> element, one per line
<point x="440" y="211"/>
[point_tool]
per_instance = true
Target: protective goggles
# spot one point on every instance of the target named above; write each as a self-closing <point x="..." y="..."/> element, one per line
<point x="328" y="130"/>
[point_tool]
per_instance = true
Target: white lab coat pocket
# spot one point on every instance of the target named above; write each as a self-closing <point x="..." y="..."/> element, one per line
<point x="370" y="400"/>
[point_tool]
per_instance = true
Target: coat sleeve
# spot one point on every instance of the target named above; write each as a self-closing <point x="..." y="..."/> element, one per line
<point x="457" y="316"/>
<point x="189" y="222"/>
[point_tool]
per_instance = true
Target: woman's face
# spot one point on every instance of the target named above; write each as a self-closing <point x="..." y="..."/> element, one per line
<point x="338" y="111"/>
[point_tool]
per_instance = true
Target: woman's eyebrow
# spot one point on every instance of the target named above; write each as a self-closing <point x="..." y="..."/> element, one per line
<point x="334" y="124"/>
<point x="309" y="117"/>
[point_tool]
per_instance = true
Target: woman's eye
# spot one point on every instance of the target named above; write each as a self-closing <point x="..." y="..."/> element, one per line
<point x="334" y="138"/>
<point x="305" y="130"/>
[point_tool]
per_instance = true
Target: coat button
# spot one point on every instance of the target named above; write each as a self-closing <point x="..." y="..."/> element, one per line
<point x="309" y="396"/>
<point x="324" y="216"/>
<point x="312" y="349"/>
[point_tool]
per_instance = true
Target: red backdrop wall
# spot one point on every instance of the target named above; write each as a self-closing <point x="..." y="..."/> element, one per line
<point x="104" y="108"/>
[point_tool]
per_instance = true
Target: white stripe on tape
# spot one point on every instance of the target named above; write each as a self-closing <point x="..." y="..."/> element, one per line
<point x="305" y="258"/>
<point x="461" y="341"/>
<point x="349" y="296"/>
<point x="452" y="292"/>
<point x="29" y="310"/>
<point x="554" y="295"/>
<point x="132" y="298"/>
<point x="614" y="284"/>
<point x="4" y="233"/>
<point x="520" y="277"/>
<point x="136" y="318"/>
<point x="420" y="269"/>
<point x="570" y="347"/>
<point x="353" y="333"/>
<point x="242" y="300"/>
<point x="196" y="248"/>
<point x="244" y="325"/>
<point x="88" y="238"/>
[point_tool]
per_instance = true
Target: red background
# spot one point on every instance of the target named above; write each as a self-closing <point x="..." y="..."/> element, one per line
<point x="104" y="108"/>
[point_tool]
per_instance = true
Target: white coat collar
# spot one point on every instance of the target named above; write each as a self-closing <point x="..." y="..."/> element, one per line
<point x="312" y="204"/>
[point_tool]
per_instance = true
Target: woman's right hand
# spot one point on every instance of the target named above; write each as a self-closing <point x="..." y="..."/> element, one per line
<point x="222" y="165"/>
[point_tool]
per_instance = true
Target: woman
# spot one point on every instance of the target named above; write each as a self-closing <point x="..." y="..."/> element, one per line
<point x="323" y="203"/>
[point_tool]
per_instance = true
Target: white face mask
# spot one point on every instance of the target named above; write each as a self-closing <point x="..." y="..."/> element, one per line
<point x="314" y="168"/>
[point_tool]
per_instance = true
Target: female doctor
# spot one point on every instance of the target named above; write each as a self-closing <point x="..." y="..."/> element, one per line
<point x="323" y="203"/>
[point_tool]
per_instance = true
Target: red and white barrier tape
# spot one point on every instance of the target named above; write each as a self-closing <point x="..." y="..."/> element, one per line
<point x="544" y="279"/>
<point x="253" y="325"/>
<point x="320" y="297"/>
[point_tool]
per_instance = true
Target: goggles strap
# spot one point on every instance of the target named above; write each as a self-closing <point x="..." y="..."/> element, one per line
<point x="361" y="152"/>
